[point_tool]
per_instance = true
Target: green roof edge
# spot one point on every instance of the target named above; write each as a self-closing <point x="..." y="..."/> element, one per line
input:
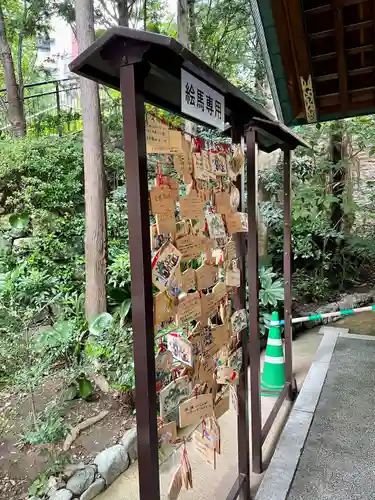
<point x="267" y="35"/>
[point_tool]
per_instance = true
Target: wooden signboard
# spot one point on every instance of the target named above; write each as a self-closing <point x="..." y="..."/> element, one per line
<point x="191" y="206"/>
<point x="216" y="226"/>
<point x="164" y="266"/>
<point x="202" y="446"/>
<point x="176" y="484"/>
<point x="188" y="280"/>
<point x="165" y="223"/>
<point x="173" y="395"/>
<point x="233" y="277"/>
<point x="192" y="411"/>
<point x="180" y="348"/>
<point x="237" y="222"/>
<point x="218" y="164"/>
<point x="189" y="246"/>
<point x="175" y="141"/>
<point x="157" y="137"/>
<point x="162" y="200"/>
<point x="196" y="341"/>
<point x="189" y="308"/>
<point x="222" y="203"/>
<point x="230" y="251"/>
<point x="163" y="362"/>
<point x="206" y="276"/>
<point x="200" y="172"/>
<point x="209" y="306"/>
<point x="167" y="433"/>
<point x="163" y="308"/>
<point x="221" y="334"/>
<point x="219" y="291"/>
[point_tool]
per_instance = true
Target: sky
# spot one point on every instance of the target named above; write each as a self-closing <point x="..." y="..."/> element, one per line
<point x="172" y="4"/>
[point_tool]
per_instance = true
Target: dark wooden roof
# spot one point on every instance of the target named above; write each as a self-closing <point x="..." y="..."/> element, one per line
<point x="330" y="40"/>
<point x="165" y="56"/>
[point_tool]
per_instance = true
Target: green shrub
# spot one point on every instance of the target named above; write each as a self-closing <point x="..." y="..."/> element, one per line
<point x="48" y="428"/>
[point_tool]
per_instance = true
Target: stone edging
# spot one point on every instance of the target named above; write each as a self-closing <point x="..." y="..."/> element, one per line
<point x="85" y="482"/>
<point x="348" y="301"/>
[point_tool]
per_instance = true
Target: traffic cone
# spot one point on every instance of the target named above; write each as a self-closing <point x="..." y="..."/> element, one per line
<point x="273" y="376"/>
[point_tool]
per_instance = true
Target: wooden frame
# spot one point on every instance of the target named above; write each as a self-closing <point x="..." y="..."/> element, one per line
<point x="145" y="66"/>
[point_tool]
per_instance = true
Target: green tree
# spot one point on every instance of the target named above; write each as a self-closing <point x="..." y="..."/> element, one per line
<point x="20" y="23"/>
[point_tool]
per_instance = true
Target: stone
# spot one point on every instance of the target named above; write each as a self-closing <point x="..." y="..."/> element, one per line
<point x="97" y="487"/>
<point x="4" y="223"/>
<point x="27" y="242"/>
<point x="112" y="462"/>
<point x="63" y="494"/>
<point x="70" y="469"/>
<point x="52" y="486"/>
<point x="129" y="442"/>
<point x="81" y="480"/>
<point x="34" y="498"/>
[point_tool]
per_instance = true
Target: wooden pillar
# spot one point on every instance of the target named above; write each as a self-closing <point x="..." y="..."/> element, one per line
<point x="253" y="281"/>
<point x="288" y="274"/>
<point x="242" y="389"/>
<point x="141" y="280"/>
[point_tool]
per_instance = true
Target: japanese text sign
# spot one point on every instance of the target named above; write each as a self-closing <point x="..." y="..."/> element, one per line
<point x="201" y="101"/>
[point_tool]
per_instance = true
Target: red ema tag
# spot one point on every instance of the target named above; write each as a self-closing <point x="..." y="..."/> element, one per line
<point x="198" y="144"/>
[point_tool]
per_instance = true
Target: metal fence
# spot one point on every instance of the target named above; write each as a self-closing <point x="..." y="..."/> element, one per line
<point x="51" y="108"/>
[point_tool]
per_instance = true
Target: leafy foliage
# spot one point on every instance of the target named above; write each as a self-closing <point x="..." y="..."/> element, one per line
<point x="49" y="427"/>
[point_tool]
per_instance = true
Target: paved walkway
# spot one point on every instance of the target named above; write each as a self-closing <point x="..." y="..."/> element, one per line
<point x="212" y="484"/>
<point x="338" y="459"/>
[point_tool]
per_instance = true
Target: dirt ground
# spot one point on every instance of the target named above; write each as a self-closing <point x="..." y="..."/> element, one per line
<point x="21" y="464"/>
<point x="361" y="323"/>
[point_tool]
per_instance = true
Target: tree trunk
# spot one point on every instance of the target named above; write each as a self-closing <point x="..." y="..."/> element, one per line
<point x="338" y="174"/>
<point x="95" y="192"/>
<point x="192" y="25"/>
<point x="183" y="22"/>
<point x="15" y="105"/>
<point x="123" y="12"/>
<point x="183" y="11"/>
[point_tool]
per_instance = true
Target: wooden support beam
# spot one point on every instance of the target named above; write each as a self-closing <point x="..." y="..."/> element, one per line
<point x="353" y="72"/>
<point x="326" y="78"/>
<point x="323" y="57"/>
<point x="317" y="10"/>
<point x="361" y="71"/>
<point x="321" y="34"/>
<point x="359" y="26"/>
<point x="358" y="50"/>
<point x="340" y="49"/>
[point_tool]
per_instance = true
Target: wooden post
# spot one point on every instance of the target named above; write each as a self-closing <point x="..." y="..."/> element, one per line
<point x="242" y="389"/>
<point x="141" y="284"/>
<point x="253" y="281"/>
<point x="288" y="275"/>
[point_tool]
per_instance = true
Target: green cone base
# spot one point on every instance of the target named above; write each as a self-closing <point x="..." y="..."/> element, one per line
<point x="272" y="387"/>
<point x="273" y="376"/>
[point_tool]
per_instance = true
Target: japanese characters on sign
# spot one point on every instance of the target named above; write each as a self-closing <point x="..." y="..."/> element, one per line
<point x="201" y="101"/>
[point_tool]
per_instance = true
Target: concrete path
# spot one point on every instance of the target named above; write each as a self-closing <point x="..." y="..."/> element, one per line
<point x="337" y="461"/>
<point x="212" y="484"/>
